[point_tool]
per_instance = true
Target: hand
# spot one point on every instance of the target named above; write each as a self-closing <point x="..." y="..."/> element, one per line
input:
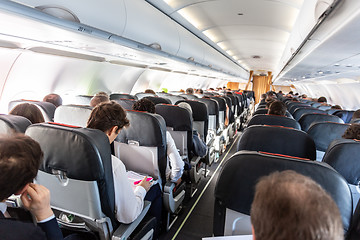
<point x="36" y="198"/>
<point x="145" y="184"/>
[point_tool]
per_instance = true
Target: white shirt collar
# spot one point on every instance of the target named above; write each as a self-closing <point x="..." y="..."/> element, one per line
<point x="3" y="207"/>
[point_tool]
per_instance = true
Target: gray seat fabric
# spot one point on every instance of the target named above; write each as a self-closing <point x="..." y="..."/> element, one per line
<point x="10" y="124"/>
<point x="311" y="118"/>
<point x="264" y="119"/>
<point x="244" y="169"/>
<point x="299" y="112"/>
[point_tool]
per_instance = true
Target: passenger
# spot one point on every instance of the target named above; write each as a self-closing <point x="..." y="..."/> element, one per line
<point x="269" y="102"/>
<point x="30" y="111"/>
<point x="288" y="205"/>
<point x="199" y="148"/>
<point x="263" y="98"/>
<point x="322" y="100"/>
<point x="277" y="108"/>
<point x="352" y="132"/>
<point x="356" y="114"/>
<point x="336" y="107"/>
<point x="20" y="159"/>
<point x="95" y="100"/>
<point x="110" y="118"/>
<point x="175" y="166"/>
<point x="189" y="91"/>
<point x="150" y="91"/>
<point x="54" y="99"/>
<point x="102" y="93"/>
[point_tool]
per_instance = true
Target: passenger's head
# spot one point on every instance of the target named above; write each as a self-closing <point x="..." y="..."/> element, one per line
<point x="20" y="158"/>
<point x="102" y="94"/>
<point x="322" y="100"/>
<point x="30" y="111"/>
<point x="186" y="106"/>
<point x="263" y="96"/>
<point x="352" y="132"/>
<point x="336" y="107"/>
<point x="277" y="108"/>
<point x="144" y="105"/>
<point x="269" y="102"/>
<point x="288" y="205"/>
<point x="95" y="100"/>
<point x="54" y="99"/>
<point x="149" y="91"/>
<point x="356" y="114"/>
<point x="108" y="117"/>
<point x="189" y="91"/>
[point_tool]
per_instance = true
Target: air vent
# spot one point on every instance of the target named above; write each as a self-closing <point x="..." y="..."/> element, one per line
<point x="59" y="12"/>
<point x="156" y="46"/>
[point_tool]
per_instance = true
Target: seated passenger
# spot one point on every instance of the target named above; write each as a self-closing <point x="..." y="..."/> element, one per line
<point x="288" y="205"/>
<point x="54" y="99"/>
<point x="336" y="107"/>
<point x="19" y="163"/>
<point x="322" y="100"/>
<point x="98" y="98"/>
<point x="30" y="111"/>
<point x="277" y="108"/>
<point x="199" y="147"/>
<point x="189" y="91"/>
<point x="110" y="118"/>
<point x="150" y="91"/>
<point x="352" y="132"/>
<point x="175" y="166"/>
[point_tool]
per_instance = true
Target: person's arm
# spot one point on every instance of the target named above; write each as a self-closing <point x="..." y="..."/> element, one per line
<point x="177" y="164"/>
<point x="36" y="198"/>
<point x="128" y="202"/>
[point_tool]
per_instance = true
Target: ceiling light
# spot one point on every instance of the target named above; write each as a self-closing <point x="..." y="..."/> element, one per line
<point x="320" y="72"/>
<point x="349" y="65"/>
<point x="230" y="52"/>
<point x="190" y="17"/>
<point x="210" y="35"/>
<point x="336" y="64"/>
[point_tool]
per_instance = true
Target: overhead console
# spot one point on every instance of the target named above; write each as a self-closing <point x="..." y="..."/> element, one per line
<point x="122" y="32"/>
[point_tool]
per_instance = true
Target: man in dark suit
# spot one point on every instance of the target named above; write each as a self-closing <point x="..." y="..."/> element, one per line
<point x="20" y="158"/>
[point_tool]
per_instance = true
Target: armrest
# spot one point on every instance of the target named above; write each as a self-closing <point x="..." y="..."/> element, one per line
<point x="172" y="203"/>
<point x="125" y="230"/>
<point x="195" y="174"/>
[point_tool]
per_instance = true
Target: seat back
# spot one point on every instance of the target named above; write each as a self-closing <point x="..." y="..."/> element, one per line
<point x="301" y="111"/>
<point x="10" y="124"/>
<point x="174" y="98"/>
<point x="345" y="115"/>
<point x="222" y="110"/>
<point x="292" y="106"/>
<point x="265" y="111"/>
<point x="179" y="123"/>
<point x="244" y="169"/>
<point x="265" y="119"/>
<point x="157" y="100"/>
<point x="311" y="118"/>
<point x="47" y="109"/>
<point x="82" y="100"/>
<point x="189" y="96"/>
<point x="125" y="103"/>
<point x="76" y="115"/>
<point x="142" y="95"/>
<point x="323" y="133"/>
<point x="343" y="156"/>
<point x="142" y="145"/>
<point x="77" y="169"/>
<point x="115" y="96"/>
<point x="213" y="111"/>
<point x="200" y="117"/>
<point x="278" y="140"/>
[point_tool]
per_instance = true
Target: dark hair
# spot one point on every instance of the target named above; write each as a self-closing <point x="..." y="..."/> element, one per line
<point x="356" y="114"/>
<point x="269" y="101"/>
<point x="149" y="91"/>
<point x="30" y="111"/>
<point x="288" y="205"/>
<point x="98" y="99"/>
<point x="322" y="99"/>
<point x="336" y="107"/>
<point x="107" y="115"/>
<point x="20" y="158"/>
<point x="277" y="108"/>
<point x="352" y="132"/>
<point x="54" y="99"/>
<point x="144" y="105"/>
<point x="102" y="94"/>
<point x="189" y="91"/>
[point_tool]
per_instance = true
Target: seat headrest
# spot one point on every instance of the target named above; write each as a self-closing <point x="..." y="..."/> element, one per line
<point x="311" y="118"/>
<point x="343" y="156"/>
<point x="77" y="115"/>
<point x="245" y="168"/>
<point x="176" y="117"/>
<point x="199" y="109"/>
<point x="323" y="133"/>
<point x="115" y="96"/>
<point x="142" y="95"/>
<point x="125" y="103"/>
<point x="213" y="106"/>
<point x="275" y="139"/>
<point x="80" y="152"/>
<point x="45" y="107"/>
<point x="157" y="100"/>
<point x="145" y="128"/>
<point x="299" y="112"/>
<point x="13" y="123"/>
<point x="221" y="102"/>
<point x="344" y="115"/>
<point x="264" y="119"/>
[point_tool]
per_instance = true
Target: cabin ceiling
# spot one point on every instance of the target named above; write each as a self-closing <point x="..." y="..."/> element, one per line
<point x="252" y="33"/>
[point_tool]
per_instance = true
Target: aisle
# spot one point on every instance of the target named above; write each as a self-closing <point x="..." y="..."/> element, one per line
<point x="196" y="219"/>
